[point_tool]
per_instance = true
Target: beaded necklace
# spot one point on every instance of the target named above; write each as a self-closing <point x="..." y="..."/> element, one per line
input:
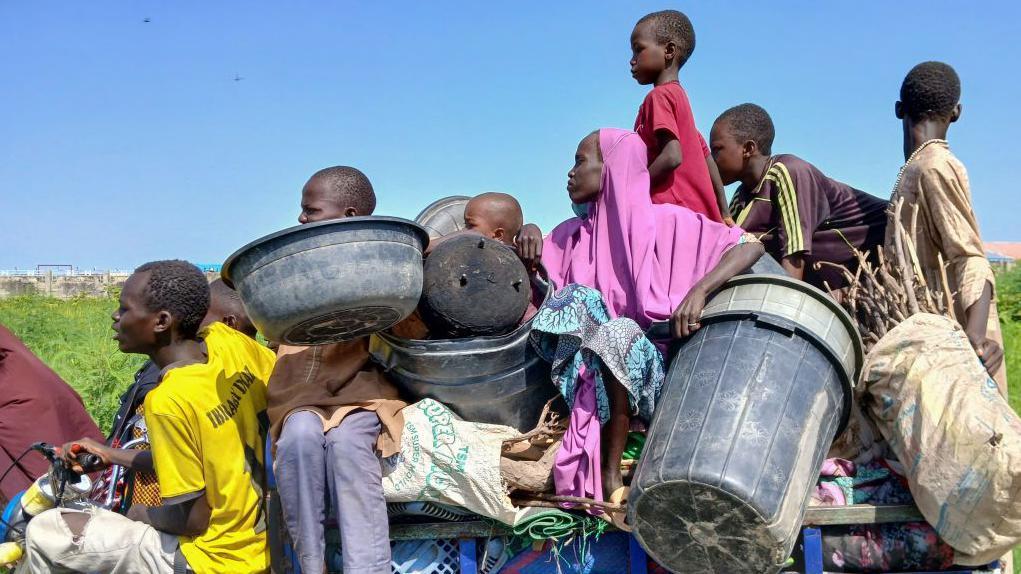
<point x="911" y="157"/>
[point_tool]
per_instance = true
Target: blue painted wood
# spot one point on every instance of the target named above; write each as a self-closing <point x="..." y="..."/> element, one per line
<point x="812" y="545"/>
<point x="636" y="555"/>
<point x="467" y="559"/>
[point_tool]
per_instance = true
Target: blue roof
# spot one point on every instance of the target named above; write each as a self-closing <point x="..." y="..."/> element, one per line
<point x="209" y="267"/>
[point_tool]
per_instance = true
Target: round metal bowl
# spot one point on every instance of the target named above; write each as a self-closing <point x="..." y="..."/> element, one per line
<point x="331" y="280"/>
<point x="444" y="216"/>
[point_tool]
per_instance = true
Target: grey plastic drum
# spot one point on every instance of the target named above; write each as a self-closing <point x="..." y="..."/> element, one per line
<point x="331" y="280"/>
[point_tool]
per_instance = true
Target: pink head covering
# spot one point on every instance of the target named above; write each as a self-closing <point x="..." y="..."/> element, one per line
<point x="643" y="258"/>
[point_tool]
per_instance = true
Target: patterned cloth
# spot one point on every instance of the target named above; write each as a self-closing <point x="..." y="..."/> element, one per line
<point x="574" y="328"/>
<point x="876" y="547"/>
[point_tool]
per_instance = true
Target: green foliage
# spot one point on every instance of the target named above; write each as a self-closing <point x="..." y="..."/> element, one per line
<point x="74" y="338"/>
<point x="1008" y="299"/>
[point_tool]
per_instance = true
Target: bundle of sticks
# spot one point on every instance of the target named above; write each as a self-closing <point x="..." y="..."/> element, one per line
<point x="888" y="289"/>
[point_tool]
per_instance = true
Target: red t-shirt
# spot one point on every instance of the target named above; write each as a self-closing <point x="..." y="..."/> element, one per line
<point x="667" y="108"/>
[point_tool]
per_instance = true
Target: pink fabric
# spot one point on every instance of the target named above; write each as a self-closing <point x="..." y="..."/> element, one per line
<point x="643" y="258"/>
<point x="576" y="468"/>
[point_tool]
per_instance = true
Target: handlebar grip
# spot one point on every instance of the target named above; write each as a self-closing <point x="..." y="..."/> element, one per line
<point x="88" y="461"/>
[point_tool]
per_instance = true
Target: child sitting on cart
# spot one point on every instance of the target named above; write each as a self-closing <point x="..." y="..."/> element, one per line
<point x="618" y="267"/>
<point x="332" y="415"/>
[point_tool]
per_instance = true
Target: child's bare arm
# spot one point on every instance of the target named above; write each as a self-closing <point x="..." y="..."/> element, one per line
<point x="976" y="322"/>
<point x="669" y="157"/>
<point x="794" y="265"/>
<point x="721" y="193"/>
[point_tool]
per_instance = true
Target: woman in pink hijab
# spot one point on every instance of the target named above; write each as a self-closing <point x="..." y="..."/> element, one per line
<point x="619" y="266"/>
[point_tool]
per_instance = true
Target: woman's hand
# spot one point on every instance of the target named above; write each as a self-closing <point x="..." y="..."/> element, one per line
<point x="529" y="246"/>
<point x="72" y="450"/>
<point x="686" y="318"/>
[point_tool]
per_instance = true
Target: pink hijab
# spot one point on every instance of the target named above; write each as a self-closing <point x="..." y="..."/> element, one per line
<point x="643" y="258"/>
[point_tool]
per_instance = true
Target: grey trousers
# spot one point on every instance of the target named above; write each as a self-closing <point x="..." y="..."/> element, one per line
<point x="340" y="464"/>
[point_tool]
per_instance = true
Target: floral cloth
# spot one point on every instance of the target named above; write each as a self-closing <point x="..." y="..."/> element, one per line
<point x="574" y="328"/>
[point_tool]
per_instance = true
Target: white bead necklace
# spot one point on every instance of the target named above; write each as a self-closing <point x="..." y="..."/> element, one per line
<point x="911" y="157"/>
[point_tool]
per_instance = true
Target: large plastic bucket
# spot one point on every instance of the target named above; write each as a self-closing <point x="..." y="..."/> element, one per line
<point x="750" y="407"/>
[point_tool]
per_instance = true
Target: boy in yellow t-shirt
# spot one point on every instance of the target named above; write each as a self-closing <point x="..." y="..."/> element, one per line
<point x="205" y="432"/>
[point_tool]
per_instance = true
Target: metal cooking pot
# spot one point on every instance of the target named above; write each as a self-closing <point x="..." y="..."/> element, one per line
<point x="331" y="280"/>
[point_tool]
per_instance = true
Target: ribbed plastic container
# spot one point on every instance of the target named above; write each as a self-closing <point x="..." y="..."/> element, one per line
<point x="498" y="380"/>
<point x="750" y="407"/>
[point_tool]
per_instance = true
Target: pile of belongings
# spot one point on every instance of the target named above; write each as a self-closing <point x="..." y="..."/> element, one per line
<point x="929" y="427"/>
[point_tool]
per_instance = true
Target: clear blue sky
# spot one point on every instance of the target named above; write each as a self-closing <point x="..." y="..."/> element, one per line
<point x="124" y="141"/>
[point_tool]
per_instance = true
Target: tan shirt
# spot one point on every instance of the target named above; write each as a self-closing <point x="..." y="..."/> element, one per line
<point x="936" y="182"/>
<point x="333" y="381"/>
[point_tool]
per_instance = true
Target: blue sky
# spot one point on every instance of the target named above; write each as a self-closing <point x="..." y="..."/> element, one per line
<point x="125" y="140"/>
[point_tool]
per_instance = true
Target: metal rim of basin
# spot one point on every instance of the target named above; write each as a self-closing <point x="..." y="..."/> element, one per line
<point x="228" y="265"/>
<point x="437" y="208"/>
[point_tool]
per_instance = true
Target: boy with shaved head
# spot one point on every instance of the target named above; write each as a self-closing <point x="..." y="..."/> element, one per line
<point x="495" y="215"/>
<point x="333" y="415"/>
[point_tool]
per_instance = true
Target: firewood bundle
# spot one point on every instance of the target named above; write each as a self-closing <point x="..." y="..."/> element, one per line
<point x="887" y="290"/>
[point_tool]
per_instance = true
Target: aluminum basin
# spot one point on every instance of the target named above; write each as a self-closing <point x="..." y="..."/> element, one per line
<point x="331" y="280"/>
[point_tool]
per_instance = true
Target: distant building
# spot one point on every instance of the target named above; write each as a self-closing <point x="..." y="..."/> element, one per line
<point x="1002" y="254"/>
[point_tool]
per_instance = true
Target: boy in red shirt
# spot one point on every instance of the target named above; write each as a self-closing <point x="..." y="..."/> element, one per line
<point x="681" y="170"/>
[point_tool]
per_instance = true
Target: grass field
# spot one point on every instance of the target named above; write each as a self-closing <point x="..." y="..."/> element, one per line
<point x="74" y="338"/>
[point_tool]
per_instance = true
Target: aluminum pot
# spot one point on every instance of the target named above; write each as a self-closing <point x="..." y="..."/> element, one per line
<point x="331" y="280"/>
<point x="444" y="216"/>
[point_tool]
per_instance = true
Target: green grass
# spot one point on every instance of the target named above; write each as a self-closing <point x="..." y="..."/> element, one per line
<point x="73" y="337"/>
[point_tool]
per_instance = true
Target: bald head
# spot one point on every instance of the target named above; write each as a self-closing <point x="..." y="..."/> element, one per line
<point x="495" y="215"/>
<point x="336" y="192"/>
<point x="225" y="306"/>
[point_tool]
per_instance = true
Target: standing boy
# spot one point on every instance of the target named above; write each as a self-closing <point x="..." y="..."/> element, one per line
<point x="801" y="216"/>
<point x="679" y="161"/>
<point x="934" y="183"/>
<point x="331" y="410"/>
<point x="203" y="424"/>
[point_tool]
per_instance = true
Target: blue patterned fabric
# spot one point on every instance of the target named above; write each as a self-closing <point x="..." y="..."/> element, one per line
<point x="574" y="328"/>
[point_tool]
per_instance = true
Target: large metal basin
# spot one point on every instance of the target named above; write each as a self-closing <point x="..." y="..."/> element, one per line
<point x="331" y="280"/>
<point x="444" y="216"/>
<point x="498" y="380"/>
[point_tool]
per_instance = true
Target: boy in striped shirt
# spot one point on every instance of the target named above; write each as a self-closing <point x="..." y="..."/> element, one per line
<point x="801" y="216"/>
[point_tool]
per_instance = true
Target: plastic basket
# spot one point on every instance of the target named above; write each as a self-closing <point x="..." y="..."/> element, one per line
<point x="415" y="557"/>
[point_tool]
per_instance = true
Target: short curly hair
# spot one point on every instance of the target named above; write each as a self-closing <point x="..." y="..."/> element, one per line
<point x="673" y="26"/>
<point x="181" y="289"/>
<point x="351" y="186"/>
<point x="750" y="122"/>
<point x="930" y="90"/>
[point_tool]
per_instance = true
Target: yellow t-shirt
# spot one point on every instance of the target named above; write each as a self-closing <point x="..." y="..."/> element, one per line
<point x="203" y="423"/>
